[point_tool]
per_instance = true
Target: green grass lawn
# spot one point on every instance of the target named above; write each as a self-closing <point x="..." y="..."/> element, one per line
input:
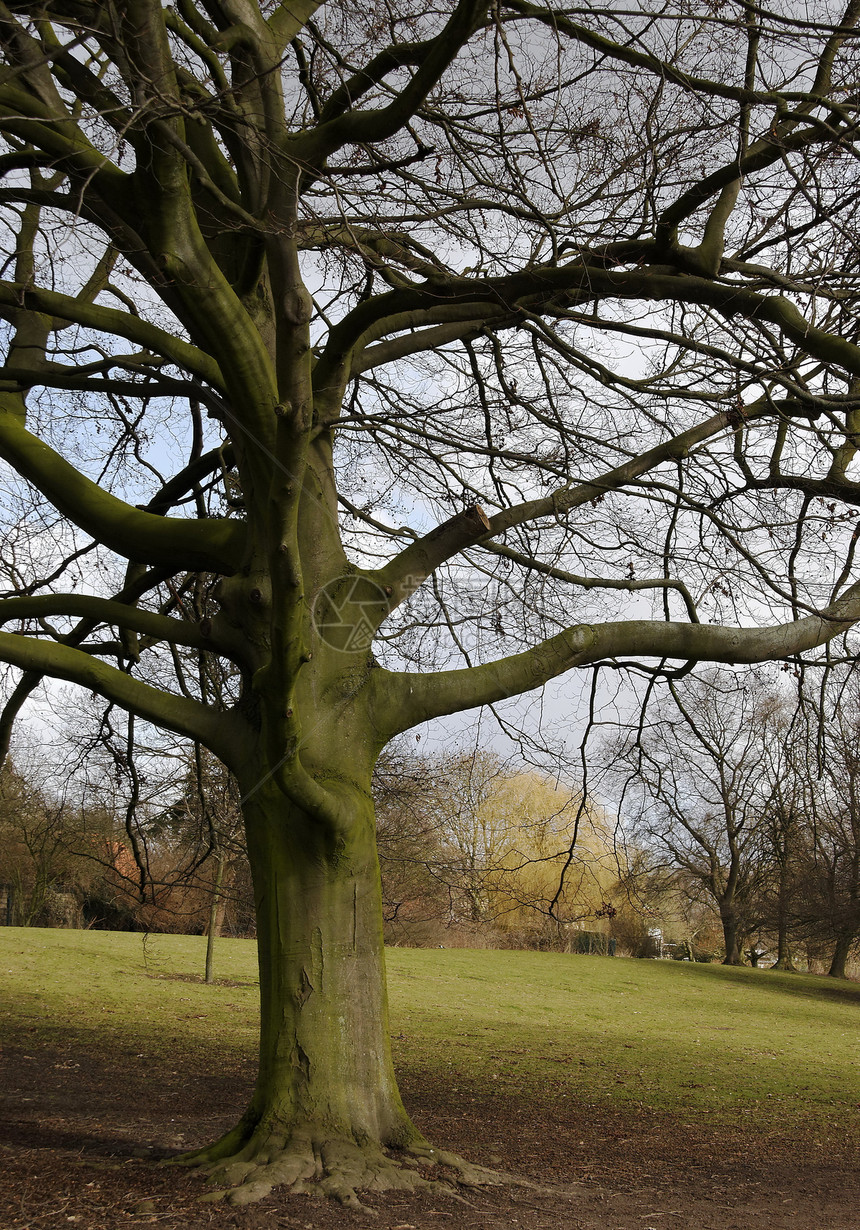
<point x="699" y="1040"/>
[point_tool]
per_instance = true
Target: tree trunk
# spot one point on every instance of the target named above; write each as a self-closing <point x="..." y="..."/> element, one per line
<point x="840" y="957"/>
<point x="731" y="940"/>
<point x="326" y="1104"/>
<point x="325" y="1052"/>
<point x="784" y="960"/>
<point x="216" y="916"/>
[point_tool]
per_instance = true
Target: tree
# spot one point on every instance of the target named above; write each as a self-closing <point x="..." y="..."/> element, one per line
<point x="469" y="842"/>
<point x="170" y="842"/>
<point x="788" y="751"/>
<point x="34" y="840"/>
<point x="206" y="820"/>
<point x="827" y="906"/>
<point x="418" y="883"/>
<point x="60" y="853"/>
<point x="483" y="323"/>
<point x="523" y="852"/>
<point x="646" y="898"/>
<point x="701" y="763"/>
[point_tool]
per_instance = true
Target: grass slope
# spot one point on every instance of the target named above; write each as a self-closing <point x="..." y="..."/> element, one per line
<point x="707" y="1042"/>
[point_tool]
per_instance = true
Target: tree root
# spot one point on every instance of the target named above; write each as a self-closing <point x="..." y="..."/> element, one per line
<point x="336" y="1168"/>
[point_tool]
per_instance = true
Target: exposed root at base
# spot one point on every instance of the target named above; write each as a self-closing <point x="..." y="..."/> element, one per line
<point x="338" y="1169"/>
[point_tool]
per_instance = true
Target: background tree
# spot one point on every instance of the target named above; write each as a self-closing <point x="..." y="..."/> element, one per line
<point x="647" y="897"/>
<point x="291" y="289"/>
<point x="700" y="762"/>
<point x="170" y="811"/>
<point x="789" y="750"/>
<point x="827" y="906"/>
<point x="34" y="848"/>
<point x="62" y="858"/>
<point x="418" y="880"/>
<point x="207" y="848"/>
<point x="475" y="832"/>
<point x="477" y="849"/>
<point x="526" y="854"/>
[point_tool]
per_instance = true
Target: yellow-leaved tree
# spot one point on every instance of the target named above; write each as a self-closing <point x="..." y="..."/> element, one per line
<point x="527" y="852"/>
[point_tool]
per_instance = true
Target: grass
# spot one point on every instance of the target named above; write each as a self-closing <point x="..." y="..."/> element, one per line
<point x="719" y="1044"/>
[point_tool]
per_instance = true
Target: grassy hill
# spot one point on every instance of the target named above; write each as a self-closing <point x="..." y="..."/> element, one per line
<point x="706" y="1041"/>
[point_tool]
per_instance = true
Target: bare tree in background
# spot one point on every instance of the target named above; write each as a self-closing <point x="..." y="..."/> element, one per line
<point x="827" y="908"/>
<point x="790" y="754"/>
<point x="418" y="883"/>
<point x="34" y="848"/>
<point x="523" y="853"/>
<point x="460" y="348"/>
<point x="700" y="763"/>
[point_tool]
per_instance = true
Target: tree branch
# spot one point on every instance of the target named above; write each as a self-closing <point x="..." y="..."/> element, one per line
<point x="213" y="545"/>
<point x="404" y="574"/>
<point x="664" y="70"/>
<point x="16" y="297"/>
<point x="566" y="498"/>
<point x="289" y="18"/>
<point x="358" y="127"/>
<point x="552" y="289"/>
<point x="223" y="733"/>
<point x="105" y="611"/>
<point x="422" y="697"/>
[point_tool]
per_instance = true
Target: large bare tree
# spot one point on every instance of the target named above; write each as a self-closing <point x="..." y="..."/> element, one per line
<point x="463" y="346"/>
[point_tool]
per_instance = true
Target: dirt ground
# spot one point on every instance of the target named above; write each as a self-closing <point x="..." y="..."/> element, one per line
<point x="82" y="1133"/>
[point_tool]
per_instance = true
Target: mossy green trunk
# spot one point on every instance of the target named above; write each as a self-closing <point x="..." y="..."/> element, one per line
<point x="325" y="1059"/>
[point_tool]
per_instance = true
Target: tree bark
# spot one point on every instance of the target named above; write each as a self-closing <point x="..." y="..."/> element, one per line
<point x="326" y="1105"/>
<point x="731" y="940"/>
<point x="784" y="960"/>
<point x="216" y="917"/>
<point x="324" y="1019"/>
<point x="840" y="957"/>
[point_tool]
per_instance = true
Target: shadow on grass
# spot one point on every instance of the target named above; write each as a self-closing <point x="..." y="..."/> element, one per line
<point x="806" y="986"/>
<point x="201" y="981"/>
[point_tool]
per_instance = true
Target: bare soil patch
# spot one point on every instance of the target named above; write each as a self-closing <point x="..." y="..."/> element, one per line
<point x="82" y="1136"/>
